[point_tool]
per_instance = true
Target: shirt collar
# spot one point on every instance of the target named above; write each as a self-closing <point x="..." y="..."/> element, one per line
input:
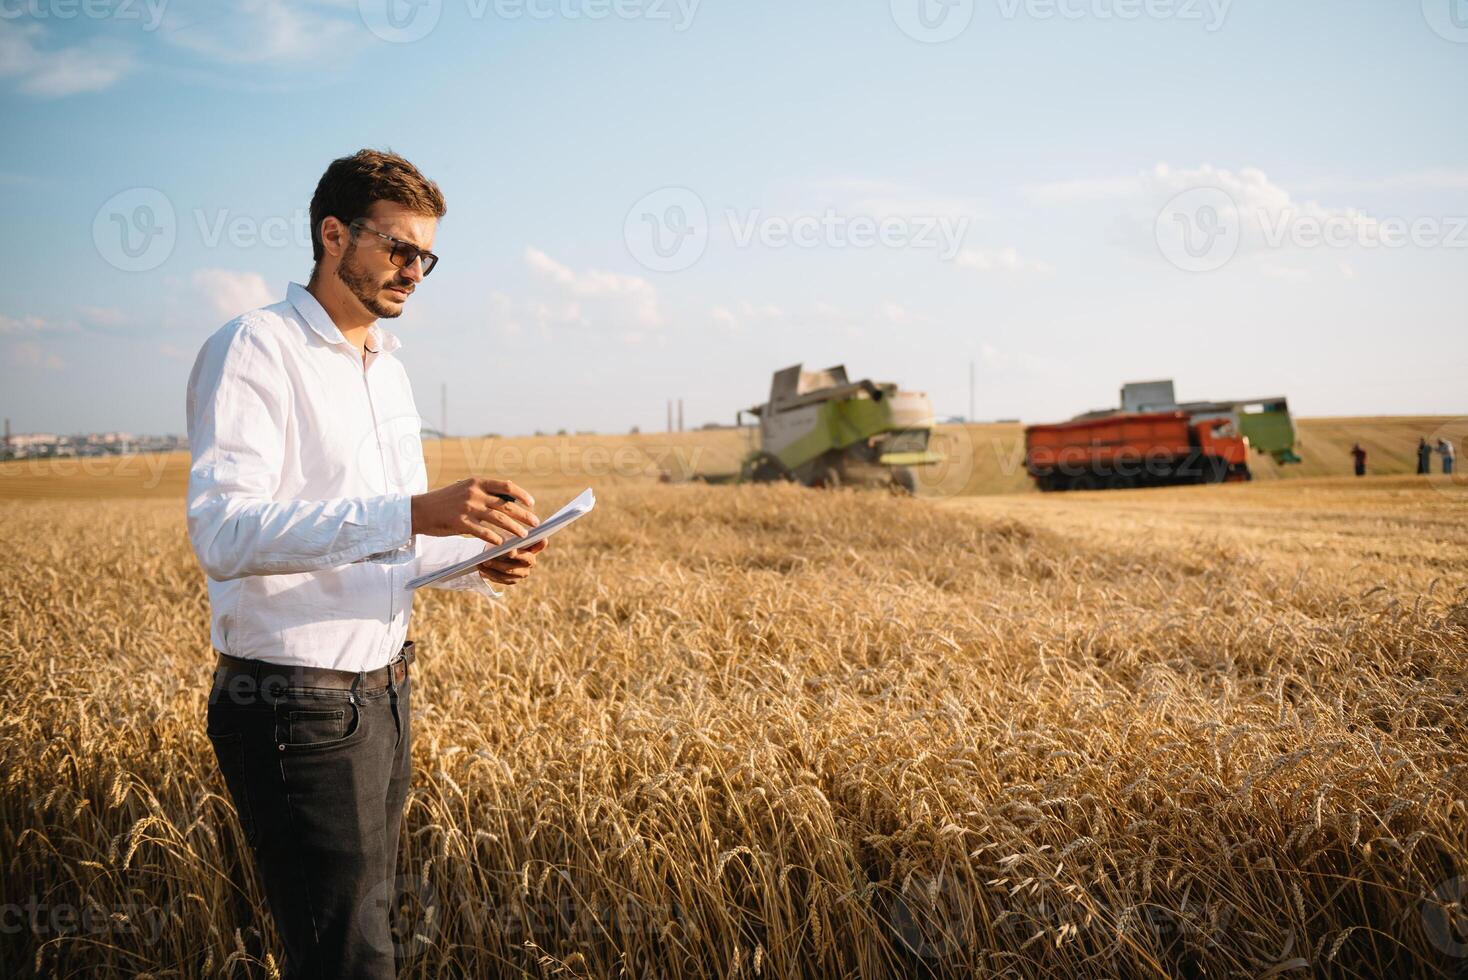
<point x="380" y="340"/>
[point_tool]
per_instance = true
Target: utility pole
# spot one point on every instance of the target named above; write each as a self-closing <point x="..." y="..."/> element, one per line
<point x="443" y="410"/>
<point x="970" y="391"/>
<point x="680" y="415"/>
<point x="670" y="416"/>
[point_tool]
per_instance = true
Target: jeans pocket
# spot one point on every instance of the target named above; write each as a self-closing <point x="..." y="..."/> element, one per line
<point x="229" y="749"/>
<point x="309" y="726"/>
<point x="318" y="727"/>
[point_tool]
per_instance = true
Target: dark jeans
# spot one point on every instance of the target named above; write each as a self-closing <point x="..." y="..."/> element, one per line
<point x="319" y="778"/>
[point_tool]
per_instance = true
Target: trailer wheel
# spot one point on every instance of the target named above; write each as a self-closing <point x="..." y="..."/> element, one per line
<point x="1086" y="481"/>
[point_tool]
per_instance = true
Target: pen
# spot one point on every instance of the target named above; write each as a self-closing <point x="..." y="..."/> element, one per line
<point x="509" y="499"/>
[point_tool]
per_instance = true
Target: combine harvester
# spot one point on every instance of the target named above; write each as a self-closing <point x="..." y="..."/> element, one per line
<point x="821" y="430"/>
<point x="1154" y="440"/>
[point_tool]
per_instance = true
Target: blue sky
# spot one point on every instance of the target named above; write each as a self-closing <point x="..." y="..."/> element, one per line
<point x="1047" y="178"/>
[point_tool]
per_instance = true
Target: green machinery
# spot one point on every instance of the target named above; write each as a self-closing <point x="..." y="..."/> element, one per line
<point x="821" y="430"/>
<point x="1265" y="422"/>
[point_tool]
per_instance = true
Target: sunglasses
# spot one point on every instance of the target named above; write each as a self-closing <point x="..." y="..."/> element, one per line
<point x="403" y="253"/>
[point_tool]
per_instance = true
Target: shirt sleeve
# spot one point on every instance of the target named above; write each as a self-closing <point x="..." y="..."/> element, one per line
<point x="436" y="552"/>
<point x="238" y="411"/>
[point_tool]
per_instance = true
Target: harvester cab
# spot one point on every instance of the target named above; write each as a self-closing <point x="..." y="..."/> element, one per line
<point x="821" y="429"/>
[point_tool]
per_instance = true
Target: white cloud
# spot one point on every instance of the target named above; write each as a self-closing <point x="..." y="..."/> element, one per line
<point x="103" y="316"/>
<point x="92" y="66"/>
<point x="747" y="313"/>
<point x="23" y="324"/>
<point x="617" y="297"/>
<point x="231" y="293"/>
<point x="1082" y="189"/>
<point x="1287" y="273"/>
<point x="29" y="354"/>
<point x="1440" y="179"/>
<point x="893" y="312"/>
<point x="1266" y="218"/>
<point x="248" y="32"/>
<point x="175" y="353"/>
<point x="891" y="199"/>
<point x="1001" y="260"/>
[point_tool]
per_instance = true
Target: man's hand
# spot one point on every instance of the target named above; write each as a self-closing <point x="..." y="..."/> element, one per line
<point x="513" y="568"/>
<point x="472" y="507"/>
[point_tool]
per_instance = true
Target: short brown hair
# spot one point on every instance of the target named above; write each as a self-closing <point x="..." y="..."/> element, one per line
<point x="350" y="185"/>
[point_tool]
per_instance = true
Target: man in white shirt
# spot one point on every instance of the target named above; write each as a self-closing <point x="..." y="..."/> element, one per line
<point x="309" y="510"/>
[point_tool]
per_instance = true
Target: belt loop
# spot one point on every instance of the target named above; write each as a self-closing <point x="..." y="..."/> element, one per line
<point x="356" y="684"/>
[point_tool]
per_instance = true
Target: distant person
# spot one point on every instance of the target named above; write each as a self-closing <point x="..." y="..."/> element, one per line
<point x="1359" y="455"/>
<point x="1445" y="449"/>
<point x="1424" y="457"/>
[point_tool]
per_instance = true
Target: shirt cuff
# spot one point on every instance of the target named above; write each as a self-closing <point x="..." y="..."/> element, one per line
<point x="481" y="585"/>
<point x="399" y="523"/>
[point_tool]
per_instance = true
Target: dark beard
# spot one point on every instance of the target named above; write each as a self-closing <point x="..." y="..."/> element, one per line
<point x="364" y="287"/>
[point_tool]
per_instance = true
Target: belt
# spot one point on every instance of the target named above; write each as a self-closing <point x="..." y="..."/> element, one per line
<point x="269" y="675"/>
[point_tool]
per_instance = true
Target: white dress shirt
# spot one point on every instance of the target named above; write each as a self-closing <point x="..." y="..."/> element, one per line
<point x="304" y="460"/>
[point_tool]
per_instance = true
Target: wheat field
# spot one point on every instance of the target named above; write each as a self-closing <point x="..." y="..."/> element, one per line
<point x="762" y="731"/>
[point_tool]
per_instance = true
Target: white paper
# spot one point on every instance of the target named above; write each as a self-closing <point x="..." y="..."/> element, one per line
<point x="561" y="518"/>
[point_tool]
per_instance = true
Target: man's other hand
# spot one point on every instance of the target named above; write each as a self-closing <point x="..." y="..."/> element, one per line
<point x="512" y="568"/>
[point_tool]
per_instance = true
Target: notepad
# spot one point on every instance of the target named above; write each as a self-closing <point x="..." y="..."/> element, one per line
<point x="564" y="517"/>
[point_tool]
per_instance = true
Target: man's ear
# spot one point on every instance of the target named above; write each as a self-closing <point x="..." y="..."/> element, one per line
<point x="335" y="236"/>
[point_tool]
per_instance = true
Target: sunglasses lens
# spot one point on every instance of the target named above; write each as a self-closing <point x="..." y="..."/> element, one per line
<point x="403" y="255"/>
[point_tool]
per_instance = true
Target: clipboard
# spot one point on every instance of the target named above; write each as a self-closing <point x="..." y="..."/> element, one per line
<point x="562" y="518"/>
